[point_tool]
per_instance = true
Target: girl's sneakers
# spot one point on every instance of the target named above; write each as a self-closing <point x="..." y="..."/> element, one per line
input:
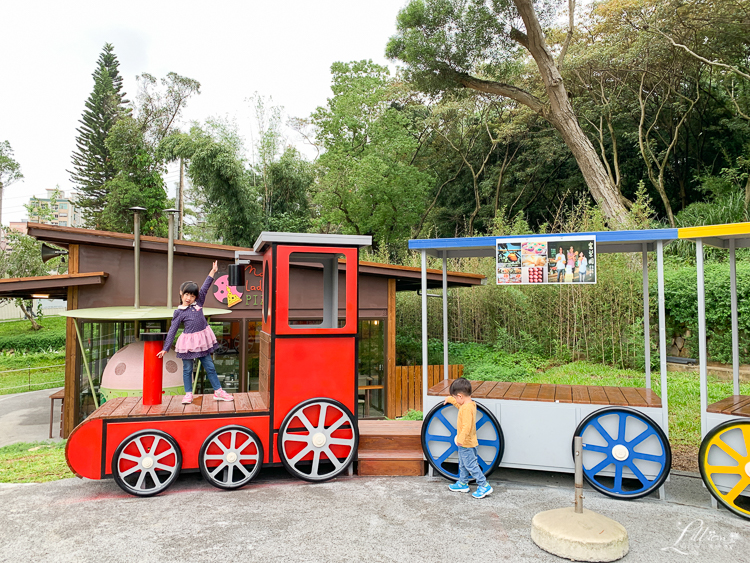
<point x="459" y="487"/>
<point x="221" y="395"/>
<point x="187" y="399"/>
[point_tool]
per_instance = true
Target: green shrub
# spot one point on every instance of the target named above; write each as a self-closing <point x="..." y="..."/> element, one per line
<point x="39" y="342"/>
<point x="411" y="414"/>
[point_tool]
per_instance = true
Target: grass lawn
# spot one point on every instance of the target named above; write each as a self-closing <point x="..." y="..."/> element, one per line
<point x="34" y="379"/>
<point x="54" y="323"/>
<point x="33" y="462"/>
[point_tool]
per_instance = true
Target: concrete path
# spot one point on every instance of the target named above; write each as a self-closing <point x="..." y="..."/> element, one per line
<point x="24" y="417"/>
<point x="358" y="519"/>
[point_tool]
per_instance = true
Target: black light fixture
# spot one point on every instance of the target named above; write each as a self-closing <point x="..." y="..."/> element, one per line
<point x="237" y="275"/>
<point x="48" y="253"/>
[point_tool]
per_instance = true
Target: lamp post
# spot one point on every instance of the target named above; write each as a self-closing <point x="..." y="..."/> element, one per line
<point x="170" y="253"/>
<point x="137" y="244"/>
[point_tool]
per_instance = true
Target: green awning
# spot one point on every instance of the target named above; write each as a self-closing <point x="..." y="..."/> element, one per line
<point x="133" y="314"/>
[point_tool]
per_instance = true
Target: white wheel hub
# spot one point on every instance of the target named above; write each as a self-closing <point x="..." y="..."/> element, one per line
<point x="231" y="457"/>
<point x="319" y="440"/>
<point x="148" y="462"/>
<point x="747" y="469"/>
<point x="620" y="452"/>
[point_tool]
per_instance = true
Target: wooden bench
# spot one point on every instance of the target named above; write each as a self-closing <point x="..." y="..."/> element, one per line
<point x="52" y="398"/>
<point x="736" y="405"/>
<point x="581" y="394"/>
<point x="171" y="405"/>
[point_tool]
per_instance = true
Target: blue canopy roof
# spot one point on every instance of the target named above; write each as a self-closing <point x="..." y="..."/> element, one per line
<point x="606" y="242"/>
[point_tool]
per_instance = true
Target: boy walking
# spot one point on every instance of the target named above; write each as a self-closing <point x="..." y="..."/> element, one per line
<point x="466" y="440"/>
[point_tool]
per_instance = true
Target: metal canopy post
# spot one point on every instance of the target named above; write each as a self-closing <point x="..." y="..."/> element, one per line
<point x="646" y="318"/>
<point x="424" y="327"/>
<point x="445" y="315"/>
<point x="702" y="360"/>
<point x="86" y="364"/>
<point x="662" y="337"/>
<point x="735" y="322"/>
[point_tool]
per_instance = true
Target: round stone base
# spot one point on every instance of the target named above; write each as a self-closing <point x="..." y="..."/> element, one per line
<point x="580" y="537"/>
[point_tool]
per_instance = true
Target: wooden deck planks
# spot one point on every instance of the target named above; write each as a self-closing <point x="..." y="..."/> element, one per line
<point x="597" y="396"/>
<point x="580" y="394"/>
<point x="530" y="392"/>
<point x="124" y="408"/>
<point x="176" y="407"/>
<point x="633" y="397"/>
<point x="499" y="390"/>
<point x="563" y="394"/>
<point x="195" y="406"/>
<point x="483" y="389"/>
<point x="546" y="393"/>
<point x="730" y="405"/>
<point x="615" y="396"/>
<point x="242" y="402"/>
<point x="106" y="409"/>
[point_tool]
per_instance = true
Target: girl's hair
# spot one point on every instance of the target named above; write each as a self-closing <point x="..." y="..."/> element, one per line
<point x="189" y="287"/>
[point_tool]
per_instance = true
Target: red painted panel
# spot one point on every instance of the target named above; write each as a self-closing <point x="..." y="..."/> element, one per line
<point x="189" y="433"/>
<point x="268" y="274"/>
<point x="282" y="290"/>
<point x="153" y="369"/>
<point x="83" y="452"/>
<point x="313" y="367"/>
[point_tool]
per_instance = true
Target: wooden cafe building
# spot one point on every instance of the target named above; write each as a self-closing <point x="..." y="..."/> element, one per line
<point x="101" y="273"/>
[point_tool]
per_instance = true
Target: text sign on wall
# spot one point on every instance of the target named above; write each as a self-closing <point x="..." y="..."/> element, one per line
<point x="558" y="259"/>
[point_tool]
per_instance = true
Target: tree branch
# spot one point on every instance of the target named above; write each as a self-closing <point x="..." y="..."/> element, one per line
<point x="569" y="36"/>
<point x="505" y="90"/>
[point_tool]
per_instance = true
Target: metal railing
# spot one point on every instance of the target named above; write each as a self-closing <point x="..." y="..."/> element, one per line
<point x="29" y="385"/>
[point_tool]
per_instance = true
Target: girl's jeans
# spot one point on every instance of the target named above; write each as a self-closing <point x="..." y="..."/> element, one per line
<point x="469" y="467"/>
<point x="208" y="365"/>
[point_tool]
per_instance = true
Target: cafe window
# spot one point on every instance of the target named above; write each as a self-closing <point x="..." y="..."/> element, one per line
<point x="226" y="358"/>
<point x="371" y="369"/>
<point x="330" y="293"/>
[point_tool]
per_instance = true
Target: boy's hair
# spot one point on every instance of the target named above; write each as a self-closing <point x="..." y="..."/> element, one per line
<point x="189" y="287"/>
<point x="461" y="385"/>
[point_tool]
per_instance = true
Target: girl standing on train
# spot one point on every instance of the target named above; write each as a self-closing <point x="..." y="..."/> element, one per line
<point x="197" y="341"/>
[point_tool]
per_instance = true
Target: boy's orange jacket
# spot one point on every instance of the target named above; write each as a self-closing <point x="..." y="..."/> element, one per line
<point x="466" y="426"/>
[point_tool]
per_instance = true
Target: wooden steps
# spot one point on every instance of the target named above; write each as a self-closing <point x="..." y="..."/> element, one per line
<point x="390" y="447"/>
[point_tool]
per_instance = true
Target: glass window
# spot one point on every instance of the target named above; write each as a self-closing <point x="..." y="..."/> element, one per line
<point x="330" y="295"/>
<point x="63" y="206"/>
<point x="63" y="223"/>
<point x="371" y="369"/>
<point x="101" y="340"/>
<point x="226" y="358"/>
<point x="253" y="355"/>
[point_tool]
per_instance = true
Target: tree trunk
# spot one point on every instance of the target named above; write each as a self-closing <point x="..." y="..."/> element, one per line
<point x="28" y="315"/>
<point x="563" y="119"/>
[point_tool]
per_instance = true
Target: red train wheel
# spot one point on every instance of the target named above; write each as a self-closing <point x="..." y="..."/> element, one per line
<point x="318" y="439"/>
<point x="146" y="463"/>
<point x="231" y="457"/>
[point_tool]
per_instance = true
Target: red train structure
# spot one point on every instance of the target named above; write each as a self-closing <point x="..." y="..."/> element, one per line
<point x="302" y="416"/>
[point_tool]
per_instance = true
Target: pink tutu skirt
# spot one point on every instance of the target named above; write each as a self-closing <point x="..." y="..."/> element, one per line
<point x="192" y="342"/>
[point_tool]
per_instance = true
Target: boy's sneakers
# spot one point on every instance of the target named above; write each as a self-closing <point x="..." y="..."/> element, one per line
<point x="221" y="395"/>
<point x="481" y="492"/>
<point x="187" y="399"/>
<point x="459" y="487"/>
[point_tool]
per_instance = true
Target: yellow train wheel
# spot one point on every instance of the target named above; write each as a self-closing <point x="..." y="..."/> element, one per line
<point x="724" y="462"/>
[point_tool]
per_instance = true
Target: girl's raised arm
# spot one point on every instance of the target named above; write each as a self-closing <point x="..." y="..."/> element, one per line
<point x="207" y="284"/>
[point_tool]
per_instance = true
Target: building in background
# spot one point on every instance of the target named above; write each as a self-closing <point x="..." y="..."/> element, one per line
<point x="64" y="212"/>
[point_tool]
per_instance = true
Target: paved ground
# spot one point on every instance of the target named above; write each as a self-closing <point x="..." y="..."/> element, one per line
<point x="349" y="519"/>
<point x="24" y="417"/>
<point x="278" y="518"/>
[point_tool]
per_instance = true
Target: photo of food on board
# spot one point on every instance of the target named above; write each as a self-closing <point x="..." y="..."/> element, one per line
<point x="571" y="261"/>
<point x="508" y="262"/>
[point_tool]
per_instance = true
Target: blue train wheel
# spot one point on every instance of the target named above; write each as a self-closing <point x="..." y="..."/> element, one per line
<point x="625" y="453"/>
<point x="439" y="432"/>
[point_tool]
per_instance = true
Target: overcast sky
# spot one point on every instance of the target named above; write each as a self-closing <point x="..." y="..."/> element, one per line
<point x="282" y="49"/>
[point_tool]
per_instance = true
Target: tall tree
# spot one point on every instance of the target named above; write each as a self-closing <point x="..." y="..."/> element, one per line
<point x="477" y="44"/>
<point x="92" y="163"/>
<point x="10" y="171"/>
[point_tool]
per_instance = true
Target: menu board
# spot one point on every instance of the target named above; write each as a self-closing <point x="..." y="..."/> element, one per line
<point x="558" y="259"/>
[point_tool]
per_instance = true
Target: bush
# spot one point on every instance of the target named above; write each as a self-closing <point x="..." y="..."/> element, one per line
<point x="39" y="342"/>
<point x="413" y="415"/>
<point x="681" y="306"/>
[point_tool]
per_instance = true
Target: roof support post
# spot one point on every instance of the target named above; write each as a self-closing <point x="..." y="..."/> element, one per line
<point x="702" y="359"/>
<point x="735" y="323"/>
<point x="662" y="337"/>
<point x="445" y="314"/>
<point x="646" y="318"/>
<point x="424" y="328"/>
